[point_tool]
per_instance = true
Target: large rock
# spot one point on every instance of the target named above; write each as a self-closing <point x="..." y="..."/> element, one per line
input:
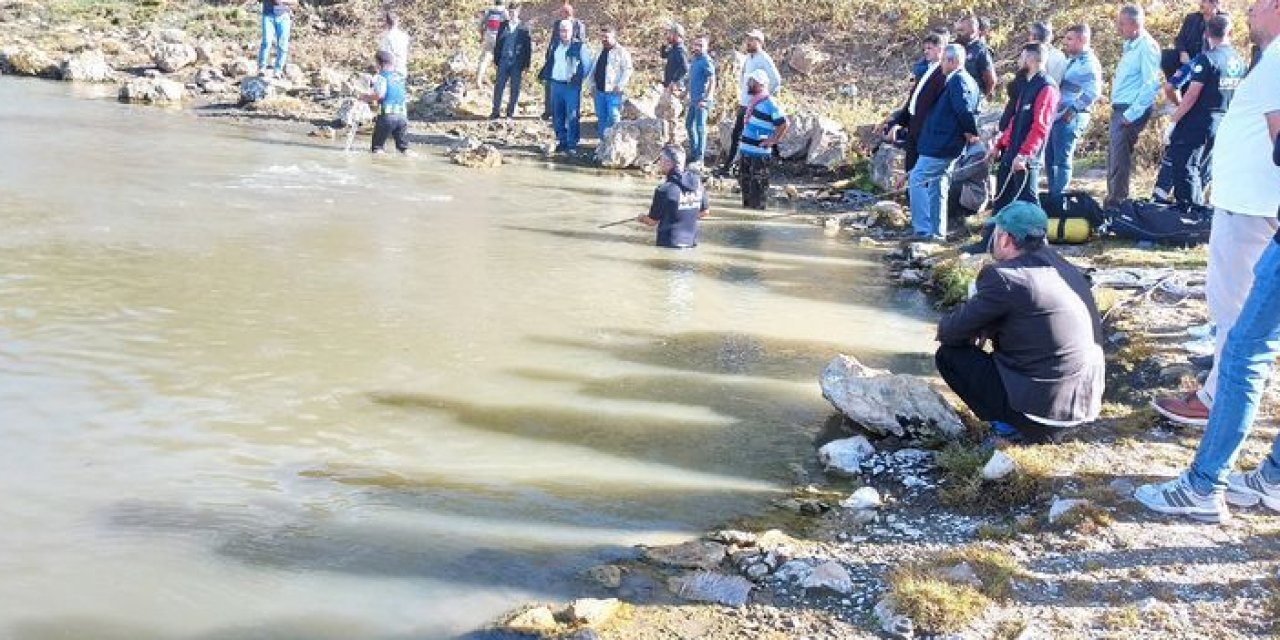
<point x="723" y="140"/>
<point x="239" y="68"/>
<point x="829" y="576"/>
<point x="669" y="107"/>
<point x="207" y="54"/>
<point x="888" y="404"/>
<point x="795" y="143"/>
<point x="173" y="36"/>
<point x="643" y="107"/>
<point x="87" y="66"/>
<point x="592" y="611"/>
<point x="485" y="156"/>
<point x="806" y="58"/>
<point x="255" y="89"/>
<point x="29" y="61"/>
<point x="211" y="80"/>
<point x="631" y="143"/>
<point x="294" y="74"/>
<point x="171" y="57"/>
<point x="863" y="498"/>
<point x="886" y="167"/>
<point x="328" y="80"/>
<point x="152" y="91"/>
<point x="448" y="99"/>
<point x="706" y="586"/>
<point x="829" y="145"/>
<point x="532" y="620"/>
<point x="845" y="456"/>
<point x="695" y="554"/>
<point x="353" y="112"/>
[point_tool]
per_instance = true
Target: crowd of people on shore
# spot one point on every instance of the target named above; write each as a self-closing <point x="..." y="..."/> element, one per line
<point x="1024" y="352"/>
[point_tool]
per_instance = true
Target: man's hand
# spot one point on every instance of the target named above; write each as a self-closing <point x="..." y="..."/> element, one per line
<point x="768" y="142"/>
<point x="1019" y="164"/>
<point x="1183" y="58"/>
<point x="971" y="138"/>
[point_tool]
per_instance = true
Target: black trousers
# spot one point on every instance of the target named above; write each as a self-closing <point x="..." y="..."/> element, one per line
<point x="971" y="373"/>
<point x="753" y="176"/>
<point x="395" y="126"/>
<point x="738" y="123"/>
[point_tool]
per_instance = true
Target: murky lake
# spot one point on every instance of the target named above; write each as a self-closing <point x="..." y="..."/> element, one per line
<point x="253" y="387"/>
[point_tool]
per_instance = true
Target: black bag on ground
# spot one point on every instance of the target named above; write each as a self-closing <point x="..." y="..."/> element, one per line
<point x="1073" y="217"/>
<point x="1167" y="224"/>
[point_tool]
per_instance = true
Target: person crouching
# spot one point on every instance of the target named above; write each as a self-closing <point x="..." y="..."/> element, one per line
<point x="391" y="98"/>
<point x="678" y="203"/>
<point x="764" y="126"/>
<point x="1045" y="371"/>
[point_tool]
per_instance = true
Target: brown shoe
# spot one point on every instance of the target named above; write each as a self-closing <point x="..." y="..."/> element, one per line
<point x="1184" y="408"/>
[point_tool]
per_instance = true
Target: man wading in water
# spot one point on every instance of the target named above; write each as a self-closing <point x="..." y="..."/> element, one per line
<point x="389" y="96"/>
<point x="678" y="203"/>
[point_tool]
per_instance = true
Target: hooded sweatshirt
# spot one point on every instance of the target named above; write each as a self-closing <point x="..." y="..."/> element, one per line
<point x="677" y="202"/>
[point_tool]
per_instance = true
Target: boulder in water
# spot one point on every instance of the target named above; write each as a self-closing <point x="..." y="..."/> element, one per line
<point x="795" y="143"/>
<point x="485" y="156"/>
<point x="695" y="554"/>
<point x="888" y="404"/>
<point x="152" y="91"/>
<point x="708" y="586"/>
<point x="170" y="57"/>
<point x="845" y="456"/>
<point x="87" y="66"/>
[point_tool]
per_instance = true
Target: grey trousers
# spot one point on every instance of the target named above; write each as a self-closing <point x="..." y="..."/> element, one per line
<point x="1120" y="154"/>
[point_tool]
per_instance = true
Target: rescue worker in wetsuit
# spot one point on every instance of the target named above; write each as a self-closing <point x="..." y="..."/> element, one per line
<point x="678" y="203"/>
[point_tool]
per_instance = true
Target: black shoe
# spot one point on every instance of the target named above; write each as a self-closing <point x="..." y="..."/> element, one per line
<point x="494" y="115"/>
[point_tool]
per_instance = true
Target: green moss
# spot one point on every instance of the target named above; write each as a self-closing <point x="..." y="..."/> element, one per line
<point x="951" y="280"/>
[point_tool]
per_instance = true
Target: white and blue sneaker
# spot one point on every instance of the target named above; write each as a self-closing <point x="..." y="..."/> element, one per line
<point x="1176" y="497"/>
<point x="1250" y="488"/>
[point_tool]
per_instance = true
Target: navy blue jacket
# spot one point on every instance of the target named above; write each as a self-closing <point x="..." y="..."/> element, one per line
<point x="952" y="116"/>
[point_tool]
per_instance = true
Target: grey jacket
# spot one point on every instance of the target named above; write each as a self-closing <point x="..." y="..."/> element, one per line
<point x="1039" y="312"/>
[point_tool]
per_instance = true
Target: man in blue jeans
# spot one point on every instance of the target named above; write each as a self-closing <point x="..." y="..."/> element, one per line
<point x="570" y="63"/>
<point x="1202" y="493"/>
<point x="951" y="124"/>
<point x="275" y="31"/>
<point x="1081" y="82"/>
<point x="609" y="77"/>
<point x="702" y="91"/>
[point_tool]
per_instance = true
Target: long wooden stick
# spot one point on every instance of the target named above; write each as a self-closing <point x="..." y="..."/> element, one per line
<point x="617" y="222"/>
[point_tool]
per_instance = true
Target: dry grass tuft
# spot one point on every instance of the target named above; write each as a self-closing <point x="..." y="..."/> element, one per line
<point x="964" y="488"/>
<point x="933" y="604"/>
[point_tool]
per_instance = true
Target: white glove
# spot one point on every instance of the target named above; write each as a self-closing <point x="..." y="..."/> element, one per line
<point x="1168" y="133"/>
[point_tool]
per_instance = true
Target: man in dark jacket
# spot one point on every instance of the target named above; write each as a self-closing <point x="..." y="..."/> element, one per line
<point x="978" y="61"/>
<point x="1046" y="369"/>
<point x="925" y="91"/>
<point x="950" y="125"/>
<point x="512" y="55"/>
<point x="1020" y="148"/>
<point x="1190" y="40"/>
<point x="678" y="203"/>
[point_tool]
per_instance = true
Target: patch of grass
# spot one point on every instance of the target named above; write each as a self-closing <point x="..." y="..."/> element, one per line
<point x="1128" y="420"/>
<point x="995" y="568"/>
<point x="1106" y="298"/>
<point x="933" y="604"/>
<point x="951" y="280"/>
<point x="1087" y="518"/>
<point x="1122" y="253"/>
<point x="964" y="488"/>
<point x="1123" y="618"/>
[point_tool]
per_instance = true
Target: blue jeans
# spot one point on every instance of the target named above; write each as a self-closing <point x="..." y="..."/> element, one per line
<point x="275" y="30"/>
<point x="928" y="185"/>
<point x="1060" y="153"/>
<point x="1246" y="361"/>
<point x="566" y="99"/>
<point x="508" y="72"/>
<point x="1023" y="186"/>
<point x="695" y="123"/>
<point x="608" y="111"/>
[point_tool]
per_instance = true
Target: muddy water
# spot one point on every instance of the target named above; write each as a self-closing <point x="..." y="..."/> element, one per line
<point x="253" y="387"/>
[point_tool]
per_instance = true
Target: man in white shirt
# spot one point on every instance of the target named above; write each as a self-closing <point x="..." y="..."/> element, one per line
<point x="1245" y="198"/>
<point x="395" y="41"/>
<point x="1055" y="62"/>
<point x="757" y="58"/>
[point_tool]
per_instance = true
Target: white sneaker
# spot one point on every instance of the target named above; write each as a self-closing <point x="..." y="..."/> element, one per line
<point x="1201" y="347"/>
<point x="1250" y="488"/>
<point x="1202" y="331"/>
<point x="1176" y="497"/>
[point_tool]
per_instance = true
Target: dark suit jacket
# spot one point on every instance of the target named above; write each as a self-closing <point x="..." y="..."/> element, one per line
<point x="914" y="122"/>
<point x="1039" y="312"/>
<point x="953" y="116"/>
<point x="524" y="45"/>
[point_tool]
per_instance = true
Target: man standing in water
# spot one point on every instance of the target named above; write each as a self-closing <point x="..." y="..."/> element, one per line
<point x="276" y="23"/>
<point x="764" y="126"/>
<point x="678" y="203"/>
<point x="390" y="97"/>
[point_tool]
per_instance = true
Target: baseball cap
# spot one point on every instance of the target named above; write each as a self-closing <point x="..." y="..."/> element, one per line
<point x="757" y="34"/>
<point x="1021" y="220"/>
<point x="760" y="76"/>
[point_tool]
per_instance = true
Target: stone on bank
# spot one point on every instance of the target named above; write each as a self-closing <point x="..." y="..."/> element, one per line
<point x="888" y="404"/>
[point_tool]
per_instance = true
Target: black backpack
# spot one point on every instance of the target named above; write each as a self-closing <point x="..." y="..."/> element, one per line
<point x="1176" y="225"/>
<point x="1072" y="217"/>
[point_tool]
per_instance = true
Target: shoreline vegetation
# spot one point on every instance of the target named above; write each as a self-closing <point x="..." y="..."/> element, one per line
<point x="914" y="536"/>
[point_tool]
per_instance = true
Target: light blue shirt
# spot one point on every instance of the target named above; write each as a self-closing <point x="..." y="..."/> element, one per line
<point x="1138" y="77"/>
<point x="1080" y="83"/>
